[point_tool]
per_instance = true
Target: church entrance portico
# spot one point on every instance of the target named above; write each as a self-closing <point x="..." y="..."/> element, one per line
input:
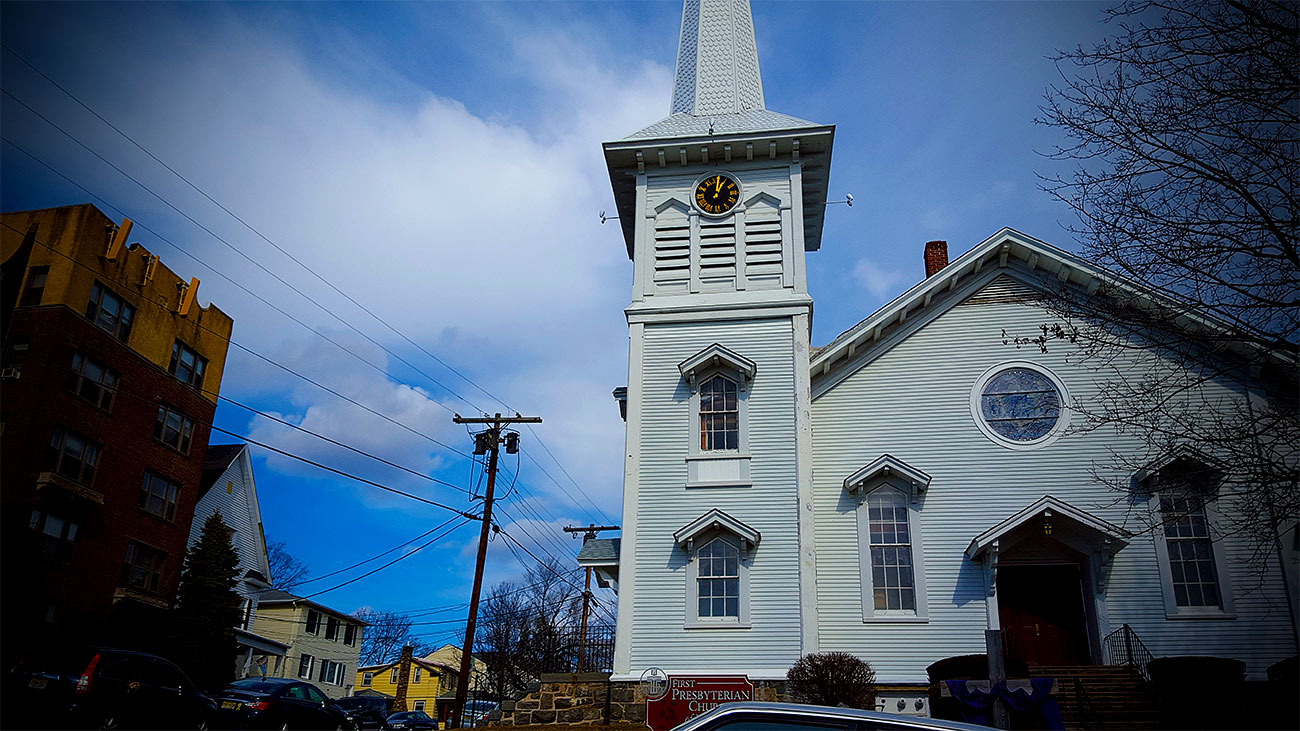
<point x="1046" y="569"/>
<point x="1041" y="610"/>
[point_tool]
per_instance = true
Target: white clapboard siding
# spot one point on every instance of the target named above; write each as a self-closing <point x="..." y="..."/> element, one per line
<point x="913" y="402"/>
<point x="233" y="493"/>
<point x="665" y="504"/>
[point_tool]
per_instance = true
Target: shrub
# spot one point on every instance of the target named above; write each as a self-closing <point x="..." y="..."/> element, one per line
<point x="833" y="679"/>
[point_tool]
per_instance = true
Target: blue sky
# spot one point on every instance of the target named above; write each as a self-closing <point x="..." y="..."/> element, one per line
<point x="441" y="164"/>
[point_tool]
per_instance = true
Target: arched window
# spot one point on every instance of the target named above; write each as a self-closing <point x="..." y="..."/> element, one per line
<point x="718" y="581"/>
<point x="893" y="581"/>
<point x="719" y="415"/>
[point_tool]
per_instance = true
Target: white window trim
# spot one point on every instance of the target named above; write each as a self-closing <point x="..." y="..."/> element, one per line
<point x="1228" y="607"/>
<point x="367" y="679"/>
<point x="697" y="456"/>
<point x="415" y="677"/>
<point x="396" y="676"/>
<point x="1057" y="431"/>
<point x="418" y="706"/>
<point x="311" y="666"/>
<point x="869" y="612"/>
<point x="693" y="620"/>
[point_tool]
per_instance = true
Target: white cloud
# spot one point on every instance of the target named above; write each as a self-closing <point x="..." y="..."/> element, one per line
<point x="878" y="280"/>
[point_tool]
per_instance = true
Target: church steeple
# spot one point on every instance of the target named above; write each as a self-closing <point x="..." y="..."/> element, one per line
<point x="717" y="60"/>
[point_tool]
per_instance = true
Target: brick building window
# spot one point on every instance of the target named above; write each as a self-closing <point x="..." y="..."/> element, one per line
<point x="35" y="286"/>
<point x="92" y="380"/>
<point x="173" y="429"/>
<point x="55" y="534"/>
<point x="187" y="365"/>
<point x="110" y="312"/>
<point x="158" y="495"/>
<point x="73" y="456"/>
<point x="143" y="566"/>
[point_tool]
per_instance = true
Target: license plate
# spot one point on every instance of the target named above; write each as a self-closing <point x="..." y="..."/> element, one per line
<point x="37" y="683"/>
<point x="231" y="705"/>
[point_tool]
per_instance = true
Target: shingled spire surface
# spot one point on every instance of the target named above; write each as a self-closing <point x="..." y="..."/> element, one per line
<point x="718" y="88"/>
<point x="717" y="60"/>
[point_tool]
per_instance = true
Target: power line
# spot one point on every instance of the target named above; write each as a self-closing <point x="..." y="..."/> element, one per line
<point x="214" y="427"/>
<point x="250" y="351"/>
<point x="378" y="555"/>
<point x="404" y="556"/>
<point x="300" y="263"/>
<point x="237" y="250"/>
<point x="250" y="227"/>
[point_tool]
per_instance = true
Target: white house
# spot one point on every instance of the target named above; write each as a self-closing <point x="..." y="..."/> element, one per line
<point x="228" y="487"/>
<point x="897" y="492"/>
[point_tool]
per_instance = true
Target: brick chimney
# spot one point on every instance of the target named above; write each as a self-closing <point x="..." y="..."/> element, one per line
<point x="936" y="257"/>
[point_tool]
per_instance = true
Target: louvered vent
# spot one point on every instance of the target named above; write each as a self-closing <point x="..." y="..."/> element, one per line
<point x="718" y="253"/>
<point x="1003" y="289"/>
<point x="672" y="251"/>
<point x="763" y="245"/>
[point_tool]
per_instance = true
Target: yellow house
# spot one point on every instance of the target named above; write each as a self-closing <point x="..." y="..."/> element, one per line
<point x="430" y="686"/>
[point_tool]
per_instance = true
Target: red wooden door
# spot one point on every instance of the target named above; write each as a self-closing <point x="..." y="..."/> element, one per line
<point x="1041" y="610"/>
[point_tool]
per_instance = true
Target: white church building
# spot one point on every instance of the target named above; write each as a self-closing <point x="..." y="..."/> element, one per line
<point x="898" y="491"/>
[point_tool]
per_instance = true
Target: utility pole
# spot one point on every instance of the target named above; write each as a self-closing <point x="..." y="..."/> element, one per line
<point x="484" y="442"/>
<point x="588" y="533"/>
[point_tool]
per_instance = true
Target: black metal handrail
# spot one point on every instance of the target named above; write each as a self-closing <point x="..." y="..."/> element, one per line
<point x="1088" y="717"/>
<point x="1124" y="647"/>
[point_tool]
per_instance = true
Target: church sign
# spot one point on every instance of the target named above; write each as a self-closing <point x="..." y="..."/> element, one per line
<point x="687" y="696"/>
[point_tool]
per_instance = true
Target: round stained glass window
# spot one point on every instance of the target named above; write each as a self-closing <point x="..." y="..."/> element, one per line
<point x="1020" y="404"/>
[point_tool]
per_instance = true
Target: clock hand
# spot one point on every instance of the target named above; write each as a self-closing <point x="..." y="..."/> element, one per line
<point x="718" y="187"/>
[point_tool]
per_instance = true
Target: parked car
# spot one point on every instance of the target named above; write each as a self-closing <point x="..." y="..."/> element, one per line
<point x="102" y="687"/>
<point x="750" y="715"/>
<point x="365" y="711"/>
<point x="277" y="703"/>
<point x="411" y="721"/>
<point x="476" y="712"/>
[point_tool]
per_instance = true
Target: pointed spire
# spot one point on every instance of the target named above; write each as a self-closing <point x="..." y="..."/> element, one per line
<point x="717" y="60"/>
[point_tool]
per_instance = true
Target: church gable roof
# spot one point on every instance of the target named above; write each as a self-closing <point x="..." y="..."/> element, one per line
<point x="1006" y="254"/>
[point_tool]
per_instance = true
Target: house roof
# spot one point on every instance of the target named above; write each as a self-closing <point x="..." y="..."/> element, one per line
<point x="215" y="463"/>
<point x="426" y="664"/>
<point x="1003" y="247"/>
<point x="273" y="597"/>
<point x="599" y="552"/>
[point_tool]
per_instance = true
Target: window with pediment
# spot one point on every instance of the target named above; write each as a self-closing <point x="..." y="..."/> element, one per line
<point x="1193" y="568"/>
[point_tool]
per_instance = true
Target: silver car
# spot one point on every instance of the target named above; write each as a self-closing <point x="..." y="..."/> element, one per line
<point x="757" y="716"/>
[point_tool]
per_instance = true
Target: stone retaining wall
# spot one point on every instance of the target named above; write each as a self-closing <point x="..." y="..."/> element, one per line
<point x="583" y="698"/>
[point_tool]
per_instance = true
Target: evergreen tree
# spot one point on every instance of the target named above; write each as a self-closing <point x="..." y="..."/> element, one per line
<point x="208" y="607"/>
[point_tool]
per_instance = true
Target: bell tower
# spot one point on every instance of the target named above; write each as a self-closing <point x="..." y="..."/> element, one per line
<point x="718" y="203"/>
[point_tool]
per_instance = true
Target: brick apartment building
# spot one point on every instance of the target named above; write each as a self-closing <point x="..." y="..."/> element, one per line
<point x="109" y="383"/>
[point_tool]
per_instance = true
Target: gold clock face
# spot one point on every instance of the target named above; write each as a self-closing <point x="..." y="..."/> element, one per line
<point x="717" y="194"/>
